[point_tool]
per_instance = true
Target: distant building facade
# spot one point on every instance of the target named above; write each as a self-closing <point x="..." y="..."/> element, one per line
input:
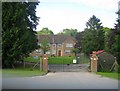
<point x="59" y="45"/>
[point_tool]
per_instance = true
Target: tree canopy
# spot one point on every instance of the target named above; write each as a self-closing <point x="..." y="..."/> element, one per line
<point x="45" y="31"/>
<point x="114" y="41"/>
<point x="93" y="36"/>
<point x="71" y="32"/>
<point x="19" y="21"/>
<point x="45" y="46"/>
<point x="78" y="44"/>
<point x="106" y="38"/>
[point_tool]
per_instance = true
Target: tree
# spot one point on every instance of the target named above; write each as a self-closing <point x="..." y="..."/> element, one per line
<point x="44" y="46"/>
<point x="71" y="32"/>
<point x="45" y="31"/>
<point x="75" y="51"/>
<point x="106" y="40"/>
<point x="114" y="41"/>
<point x="93" y="36"/>
<point x="78" y="44"/>
<point x="19" y="21"/>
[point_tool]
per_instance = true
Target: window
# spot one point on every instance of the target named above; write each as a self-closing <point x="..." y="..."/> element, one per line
<point x="54" y="45"/>
<point x="47" y="52"/>
<point x="67" y="51"/>
<point x="53" y="51"/>
<point x="59" y="45"/>
<point x="69" y="45"/>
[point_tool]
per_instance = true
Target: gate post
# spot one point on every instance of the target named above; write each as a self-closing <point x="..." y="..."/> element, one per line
<point x="93" y="63"/>
<point x="45" y="63"/>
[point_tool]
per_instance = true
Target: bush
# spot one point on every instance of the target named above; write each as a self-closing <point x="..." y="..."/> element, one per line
<point x="32" y="59"/>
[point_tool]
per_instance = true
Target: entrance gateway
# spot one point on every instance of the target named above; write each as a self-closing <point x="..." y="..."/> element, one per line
<point x="59" y="53"/>
<point x="80" y="64"/>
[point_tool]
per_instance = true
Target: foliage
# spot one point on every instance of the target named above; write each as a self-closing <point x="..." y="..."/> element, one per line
<point x="71" y="32"/>
<point x="79" y="41"/>
<point x="110" y="74"/>
<point x="22" y="72"/>
<point x="106" y="40"/>
<point x="45" y="46"/>
<point x="75" y="51"/>
<point x="19" y="21"/>
<point x="45" y="31"/>
<point x="93" y="36"/>
<point x="114" y="41"/>
<point x="31" y="59"/>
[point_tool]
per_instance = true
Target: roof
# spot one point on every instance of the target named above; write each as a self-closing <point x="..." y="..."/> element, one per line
<point x="97" y="52"/>
<point x="54" y="38"/>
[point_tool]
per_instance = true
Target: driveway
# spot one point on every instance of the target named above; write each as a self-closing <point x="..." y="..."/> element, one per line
<point x="61" y="80"/>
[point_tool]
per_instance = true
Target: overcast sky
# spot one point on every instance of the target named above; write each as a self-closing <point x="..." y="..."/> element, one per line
<point x="61" y="14"/>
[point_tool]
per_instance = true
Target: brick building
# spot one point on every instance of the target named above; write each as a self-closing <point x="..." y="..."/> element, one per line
<point x="59" y="45"/>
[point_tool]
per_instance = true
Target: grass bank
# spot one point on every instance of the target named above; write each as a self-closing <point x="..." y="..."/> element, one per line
<point x="21" y="72"/>
<point x="110" y="74"/>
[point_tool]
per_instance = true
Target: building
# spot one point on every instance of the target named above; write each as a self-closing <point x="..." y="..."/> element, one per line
<point x="59" y="45"/>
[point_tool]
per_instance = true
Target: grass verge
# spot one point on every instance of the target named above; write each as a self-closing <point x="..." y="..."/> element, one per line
<point x="22" y="72"/>
<point x="110" y="74"/>
<point x="60" y="60"/>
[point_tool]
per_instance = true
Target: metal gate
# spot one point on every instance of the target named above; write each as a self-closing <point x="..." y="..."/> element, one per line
<point x="82" y="65"/>
<point x="68" y="67"/>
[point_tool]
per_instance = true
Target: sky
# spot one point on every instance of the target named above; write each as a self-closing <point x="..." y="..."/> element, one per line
<point x="61" y="14"/>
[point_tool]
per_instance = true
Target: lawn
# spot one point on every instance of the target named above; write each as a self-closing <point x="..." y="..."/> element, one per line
<point x="21" y="72"/>
<point x="52" y="60"/>
<point x="110" y="74"/>
<point x="60" y="60"/>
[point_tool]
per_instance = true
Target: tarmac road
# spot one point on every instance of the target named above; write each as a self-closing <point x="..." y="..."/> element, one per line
<point x="61" y="80"/>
